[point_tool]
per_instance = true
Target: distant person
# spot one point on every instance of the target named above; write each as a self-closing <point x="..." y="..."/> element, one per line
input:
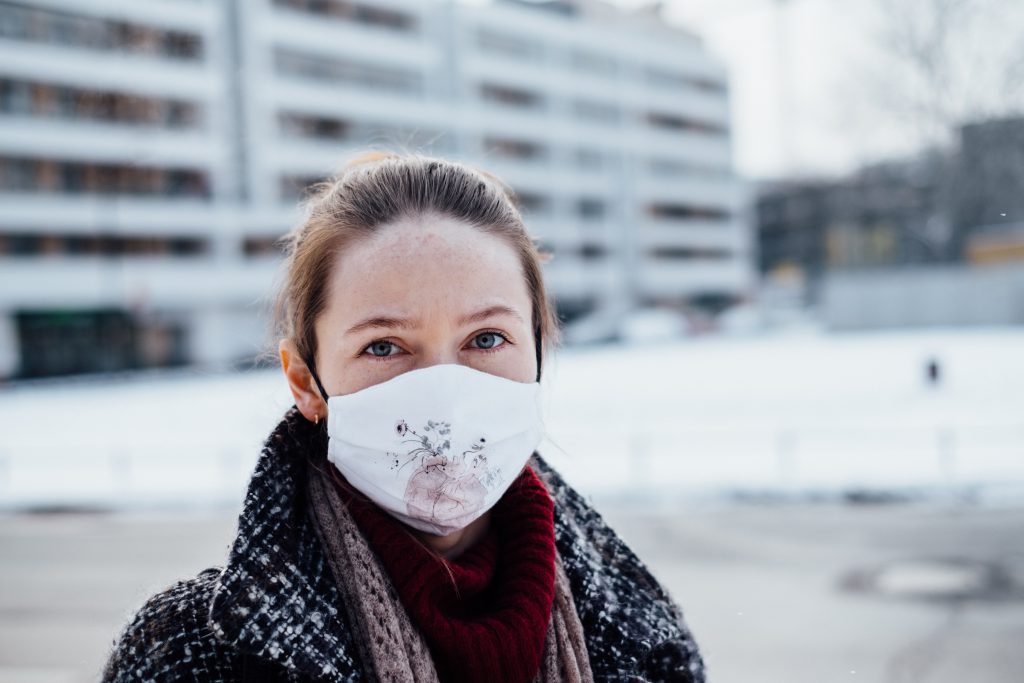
<point x="932" y="372"/>
<point x="400" y="525"/>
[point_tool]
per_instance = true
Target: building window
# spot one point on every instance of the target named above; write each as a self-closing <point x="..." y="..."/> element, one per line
<point x="254" y="247"/>
<point x="71" y="177"/>
<point x="45" y="100"/>
<point x="689" y="253"/>
<point x="312" y="127"/>
<point x="99" y="244"/>
<point x="591" y="208"/>
<point x="666" y="211"/>
<point x="666" y="78"/>
<point x="545" y="248"/>
<point x="69" y="342"/>
<point x="672" y="122"/>
<point x="710" y="86"/>
<point x="331" y="69"/>
<point x="532" y="203"/>
<point x="16" y="97"/>
<point x="677" y="168"/>
<point x="508" y="148"/>
<point x="293" y="188"/>
<point x="592" y="251"/>
<point x="355" y="12"/>
<point x="39" y="25"/>
<point x="507" y="96"/>
<point x="509" y="45"/>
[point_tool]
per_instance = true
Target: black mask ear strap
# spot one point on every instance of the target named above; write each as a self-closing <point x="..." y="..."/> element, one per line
<point x="323" y="392"/>
<point x="319" y="385"/>
<point x="536" y="344"/>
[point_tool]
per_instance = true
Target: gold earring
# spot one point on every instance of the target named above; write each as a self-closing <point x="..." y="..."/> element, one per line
<point x="316" y="418"/>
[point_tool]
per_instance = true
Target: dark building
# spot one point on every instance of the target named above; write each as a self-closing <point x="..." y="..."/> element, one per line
<point x="988" y="214"/>
<point x="940" y="207"/>
<point x="884" y="215"/>
<point x="791" y="220"/>
<point x="891" y="214"/>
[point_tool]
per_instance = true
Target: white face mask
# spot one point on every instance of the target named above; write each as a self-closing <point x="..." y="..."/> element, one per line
<point x="438" y="446"/>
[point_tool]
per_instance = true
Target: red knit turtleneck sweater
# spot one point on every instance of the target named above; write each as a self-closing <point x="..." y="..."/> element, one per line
<point x="490" y="624"/>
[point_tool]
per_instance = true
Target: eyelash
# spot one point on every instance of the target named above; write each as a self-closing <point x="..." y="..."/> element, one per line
<point x="380" y="359"/>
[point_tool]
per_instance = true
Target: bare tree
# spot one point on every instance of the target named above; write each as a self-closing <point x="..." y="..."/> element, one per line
<point x="942" y="64"/>
<point x="946" y="62"/>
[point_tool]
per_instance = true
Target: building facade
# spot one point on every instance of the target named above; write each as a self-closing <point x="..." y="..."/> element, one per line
<point x="988" y="215"/>
<point x="929" y="240"/>
<point x="151" y="153"/>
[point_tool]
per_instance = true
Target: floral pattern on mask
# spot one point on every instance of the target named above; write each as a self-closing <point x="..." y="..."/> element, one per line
<point x="445" y="486"/>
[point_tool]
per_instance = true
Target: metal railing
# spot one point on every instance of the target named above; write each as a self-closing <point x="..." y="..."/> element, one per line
<point x="636" y="461"/>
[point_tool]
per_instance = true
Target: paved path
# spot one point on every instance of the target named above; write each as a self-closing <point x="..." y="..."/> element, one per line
<point x="763" y="591"/>
<point x="761" y="586"/>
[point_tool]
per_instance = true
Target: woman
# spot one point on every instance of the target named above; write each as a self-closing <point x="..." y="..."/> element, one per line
<point x="400" y="525"/>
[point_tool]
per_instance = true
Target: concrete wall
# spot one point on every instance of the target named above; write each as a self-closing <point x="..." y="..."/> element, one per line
<point x="924" y="296"/>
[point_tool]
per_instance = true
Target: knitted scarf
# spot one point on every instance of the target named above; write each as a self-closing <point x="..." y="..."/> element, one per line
<point x="501" y="611"/>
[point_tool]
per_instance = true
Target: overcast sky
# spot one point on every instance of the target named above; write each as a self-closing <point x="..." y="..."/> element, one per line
<point x="820" y="44"/>
<point x="837" y="80"/>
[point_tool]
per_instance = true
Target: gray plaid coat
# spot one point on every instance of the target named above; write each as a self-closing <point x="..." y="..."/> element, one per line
<point x="273" y="612"/>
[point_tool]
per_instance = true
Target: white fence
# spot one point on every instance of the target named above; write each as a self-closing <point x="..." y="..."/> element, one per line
<point x="632" y="464"/>
<point x="830" y="459"/>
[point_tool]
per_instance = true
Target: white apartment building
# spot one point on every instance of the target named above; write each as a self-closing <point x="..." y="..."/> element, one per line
<point x="152" y="152"/>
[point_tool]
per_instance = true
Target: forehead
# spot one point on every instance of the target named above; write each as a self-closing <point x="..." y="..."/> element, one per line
<point x="424" y="261"/>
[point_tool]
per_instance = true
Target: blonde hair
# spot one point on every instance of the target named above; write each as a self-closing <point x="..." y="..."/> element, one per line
<point x="377" y="188"/>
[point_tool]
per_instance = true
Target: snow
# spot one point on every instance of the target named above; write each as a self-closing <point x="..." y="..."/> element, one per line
<point x="776" y="413"/>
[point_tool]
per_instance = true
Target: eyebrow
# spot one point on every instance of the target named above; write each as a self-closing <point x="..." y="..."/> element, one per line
<point x="390" y="322"/>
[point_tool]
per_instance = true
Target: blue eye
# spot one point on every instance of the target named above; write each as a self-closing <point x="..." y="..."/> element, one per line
<point x="383" y="350"/>
<point x="490" y="340"/>
<point x="382" y="346"/>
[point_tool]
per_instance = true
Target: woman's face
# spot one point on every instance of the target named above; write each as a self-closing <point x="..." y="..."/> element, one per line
<point x="418" y="292"/>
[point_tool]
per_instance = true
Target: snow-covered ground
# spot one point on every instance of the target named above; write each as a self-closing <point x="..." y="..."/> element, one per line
<point x="800" y="412"/>
<point x="773" y="414"/>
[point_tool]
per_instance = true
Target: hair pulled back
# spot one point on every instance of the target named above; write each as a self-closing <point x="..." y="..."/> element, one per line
<point x="378" y="188"/>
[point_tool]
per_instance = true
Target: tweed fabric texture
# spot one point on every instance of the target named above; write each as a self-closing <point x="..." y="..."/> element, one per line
<point x="276" y="598"/>
<point x="565" y="651"/>
<point x="388" y="641"/>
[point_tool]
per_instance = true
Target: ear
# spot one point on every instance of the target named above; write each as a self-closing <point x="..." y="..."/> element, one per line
<point x="300" y="381"/>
